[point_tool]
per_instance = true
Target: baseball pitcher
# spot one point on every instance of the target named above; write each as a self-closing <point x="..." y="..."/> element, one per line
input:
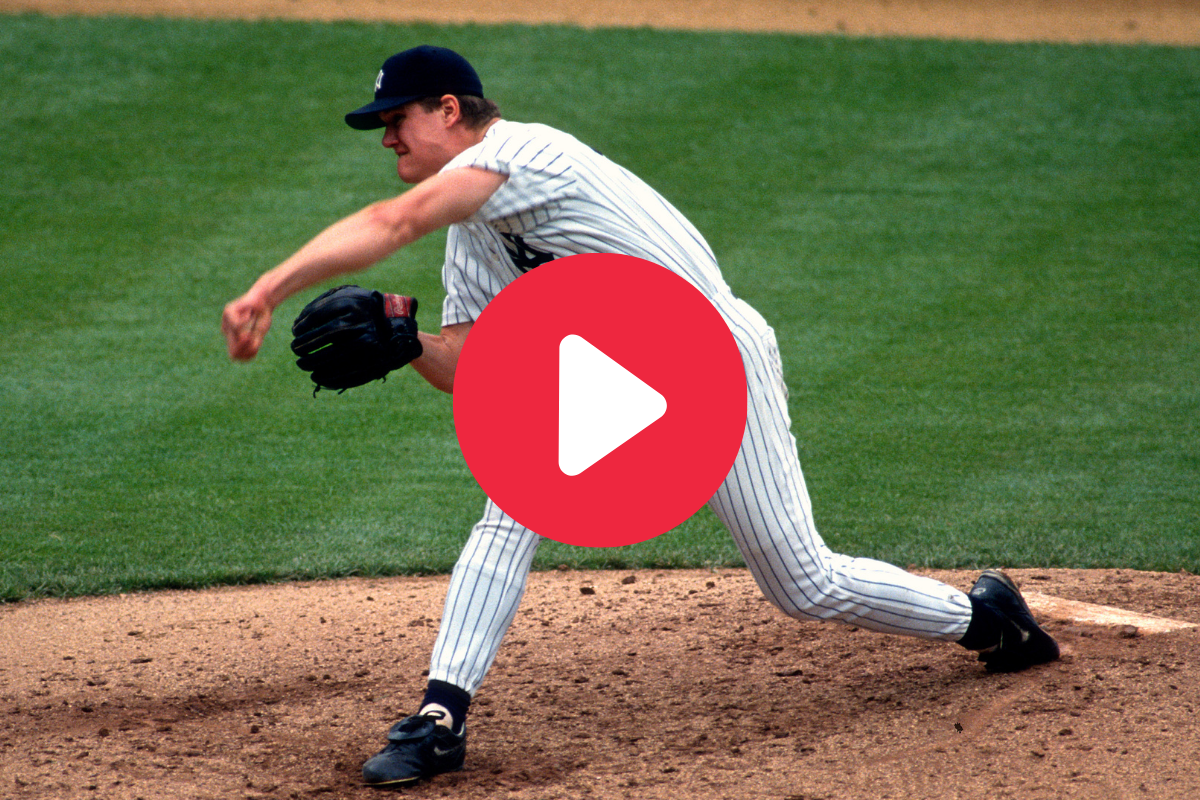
<point x="515" y="196"/>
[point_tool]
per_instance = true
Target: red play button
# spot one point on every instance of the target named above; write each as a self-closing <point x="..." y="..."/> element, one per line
<point x="600" y="400"/>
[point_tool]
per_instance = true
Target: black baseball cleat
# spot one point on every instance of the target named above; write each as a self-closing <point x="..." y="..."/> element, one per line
<point x="417" y="748"/>
<point x="1023" y="643"/>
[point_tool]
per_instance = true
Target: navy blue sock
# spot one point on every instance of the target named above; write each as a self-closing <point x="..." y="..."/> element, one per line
<point x="450" y="697"/>
<point x="984" y="630"/>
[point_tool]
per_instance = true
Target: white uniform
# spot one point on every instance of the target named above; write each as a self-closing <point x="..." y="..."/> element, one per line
<point x="563" y="198"/>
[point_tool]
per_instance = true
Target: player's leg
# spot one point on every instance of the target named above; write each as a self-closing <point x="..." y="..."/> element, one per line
<point x="485" y="589"/>
<point x="481" y="602"/>
<point x="765" y="504"/>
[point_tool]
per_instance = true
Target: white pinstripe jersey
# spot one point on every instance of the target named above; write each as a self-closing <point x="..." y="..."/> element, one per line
<point x="561" y="198"/>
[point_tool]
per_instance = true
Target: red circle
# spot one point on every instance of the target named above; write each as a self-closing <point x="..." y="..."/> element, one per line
<point x="654" y="324"/>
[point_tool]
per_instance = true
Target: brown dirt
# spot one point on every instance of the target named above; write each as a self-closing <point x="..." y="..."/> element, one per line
<point x="1122" y="21"/>
<point x="652" y="684"/>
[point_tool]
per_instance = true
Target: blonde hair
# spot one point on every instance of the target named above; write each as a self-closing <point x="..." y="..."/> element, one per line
<point x="476" y="111"/>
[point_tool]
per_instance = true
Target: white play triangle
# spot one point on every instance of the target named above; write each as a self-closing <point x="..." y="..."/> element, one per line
<point x="601" y="405"/>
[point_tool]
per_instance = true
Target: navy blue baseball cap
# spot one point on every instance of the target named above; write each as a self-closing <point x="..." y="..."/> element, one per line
<point x="415" y="74"/>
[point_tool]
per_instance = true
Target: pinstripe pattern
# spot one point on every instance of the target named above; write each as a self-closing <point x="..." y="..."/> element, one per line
<point x="566" y="200"/>
<point x="563" y="198"/>
<point x="765" y="505"/>
<point x="485" y="590"/>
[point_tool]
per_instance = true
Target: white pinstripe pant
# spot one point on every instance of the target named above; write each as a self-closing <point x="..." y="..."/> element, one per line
<point x="765" y="505"/>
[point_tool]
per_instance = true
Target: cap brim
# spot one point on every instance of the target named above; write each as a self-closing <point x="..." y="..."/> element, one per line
<point x="367" y="117"/>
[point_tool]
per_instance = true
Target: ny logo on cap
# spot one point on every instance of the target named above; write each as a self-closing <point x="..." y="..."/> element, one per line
<point x="379" y="81"/>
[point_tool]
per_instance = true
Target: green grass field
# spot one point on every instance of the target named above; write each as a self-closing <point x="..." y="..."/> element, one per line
<point x="982" y="261"/>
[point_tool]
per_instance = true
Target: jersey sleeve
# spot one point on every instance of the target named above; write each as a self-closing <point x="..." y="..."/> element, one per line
<point x="469" y="284"/>
<point x="538" y="172"/>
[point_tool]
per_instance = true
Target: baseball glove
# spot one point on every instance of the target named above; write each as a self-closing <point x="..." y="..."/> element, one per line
<point x="350" y="336"/>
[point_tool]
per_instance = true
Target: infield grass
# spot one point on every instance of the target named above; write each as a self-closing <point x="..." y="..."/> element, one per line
<point x="982" y="262"/>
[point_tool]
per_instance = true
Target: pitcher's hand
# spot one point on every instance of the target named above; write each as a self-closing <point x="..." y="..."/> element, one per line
<point x="245" y="323"/>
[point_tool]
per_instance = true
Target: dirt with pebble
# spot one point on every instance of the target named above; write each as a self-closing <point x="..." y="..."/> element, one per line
<point x="639" y="684"/>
